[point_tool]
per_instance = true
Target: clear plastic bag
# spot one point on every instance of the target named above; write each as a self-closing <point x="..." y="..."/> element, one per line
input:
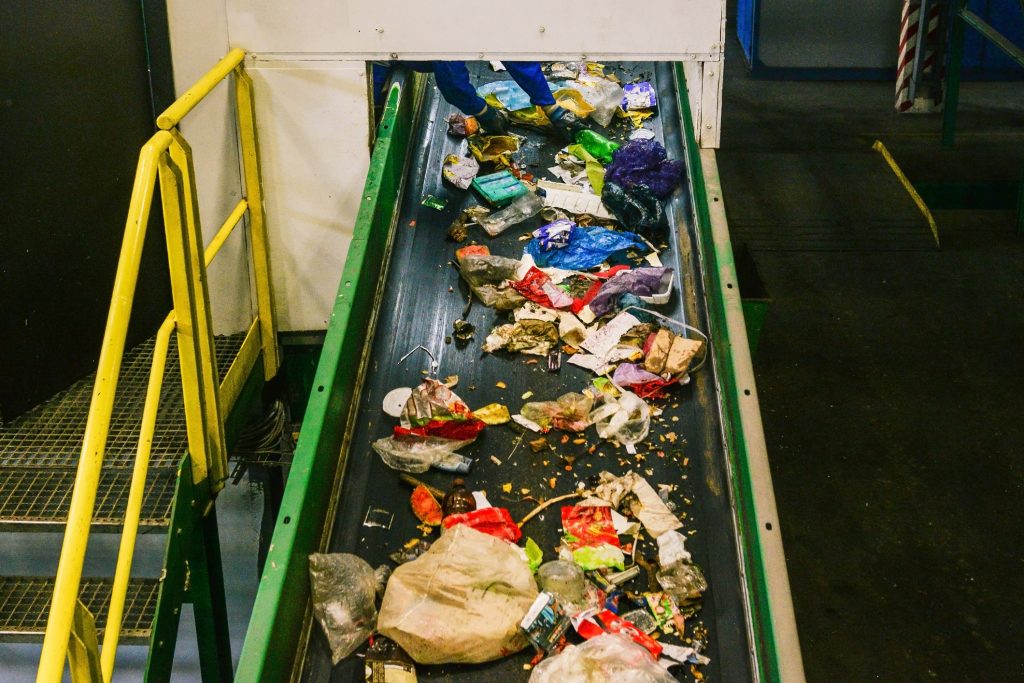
<point x="416" y="454"/>
<point x="625" y="419"/>
<point x="570" y="412"/>
<point x="461" y="601"/>
<point x="524" y="207"/>
<point x="608" y="658"/>
<point x="344" y="591"/>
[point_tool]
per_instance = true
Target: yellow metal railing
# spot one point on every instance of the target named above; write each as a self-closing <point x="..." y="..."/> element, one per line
<point x="167" y="158"/>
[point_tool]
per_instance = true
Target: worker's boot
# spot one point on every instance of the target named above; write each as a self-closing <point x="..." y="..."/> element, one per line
<point x="493" y="121"/>
<point x="565" y="123"/>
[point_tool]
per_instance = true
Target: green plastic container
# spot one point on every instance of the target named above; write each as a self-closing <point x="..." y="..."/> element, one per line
<point x="499" y="189"/>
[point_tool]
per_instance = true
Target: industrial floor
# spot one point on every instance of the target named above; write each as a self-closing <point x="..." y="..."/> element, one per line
<point x="889" y="373"/>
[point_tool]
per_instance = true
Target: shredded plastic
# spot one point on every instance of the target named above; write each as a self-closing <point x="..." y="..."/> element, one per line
<point x="570" y="412"/>
<point x="608" y="657"/>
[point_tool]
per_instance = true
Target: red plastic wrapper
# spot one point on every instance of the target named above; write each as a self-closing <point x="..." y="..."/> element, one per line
<point x="612" y="623"/>
<point x="472" y="250"/>
<point x="425" y="506"/>
<point x="457" y="430"/>
<point x="494" y="521"/>
<point x="532" y="287"/>
<point x="589" y="525"/>
<point x="656" y="388"/>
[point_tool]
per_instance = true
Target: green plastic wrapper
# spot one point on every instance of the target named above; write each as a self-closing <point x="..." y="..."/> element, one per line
<point x="594" y="557"/>
<point x="534" y="555"/>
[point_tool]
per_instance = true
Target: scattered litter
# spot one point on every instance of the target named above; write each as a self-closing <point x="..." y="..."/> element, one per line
<point x="637" y="208"/>
<point x="394" y="400"/>
<point x="433" y="202"/>
<point x="653" y="284"/>
<point x="500" y="385"/>
<point x="587" y="248"/>
<point x="639" y="96"/>
<point x="458" y="231"/>
<point x="378" y="517"/>
<point x="607" y="657"/>
<point x="498" y="189"/>
<point x="462" y="330"/>
<point x="493" y="521"/>
<point x="576" y="202"/>
<point x="554" y="235"/>
<point x="460" y="171"/>
<point x="386" y="662"/>
<point x="496" y="148"/>
<point x="645" y="162"/>
<point x="344" y="592"/>
<point x="597" y="145"/>
<point x="492" y="414"/>
<point x="462" y="126"/>
<point x="524" y="207"/>
<point x="545" y="624"/>
<point x="570" y="412"/>
<point x="609" y="622"/>
<point x="641" y="501"/>
<point x="625" y="419"/>
<point x="534" y="337"/>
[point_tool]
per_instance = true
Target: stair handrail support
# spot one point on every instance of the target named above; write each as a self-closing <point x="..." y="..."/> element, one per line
<point x="167" y="158"/>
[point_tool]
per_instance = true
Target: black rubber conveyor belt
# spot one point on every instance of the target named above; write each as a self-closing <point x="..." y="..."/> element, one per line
<point x="418" y="309"/>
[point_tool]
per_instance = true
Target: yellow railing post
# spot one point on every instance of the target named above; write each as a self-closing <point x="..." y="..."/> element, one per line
<point x="257" y="226"/>
<point x="83" y="498"/>
<point x="167" y="156"/>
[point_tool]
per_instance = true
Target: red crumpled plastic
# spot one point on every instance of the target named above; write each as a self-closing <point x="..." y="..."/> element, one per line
<point x="589" y="525"/>
<point x="457" y="430"/>
<point x="656" y="388"/>
<point x="532" y="287"/>
<point x="496" y="522"/>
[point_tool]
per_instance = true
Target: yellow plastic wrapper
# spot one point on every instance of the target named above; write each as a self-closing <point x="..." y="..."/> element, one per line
<point x="573" y="101"/>
<point x="531" y="116"/>
<point x="493" y="147"/>
<point x="493" y="414"/>
<point x="636" y="116"/>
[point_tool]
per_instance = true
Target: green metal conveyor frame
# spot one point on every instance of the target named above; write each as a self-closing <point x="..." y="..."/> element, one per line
<point x="275" y="639"/>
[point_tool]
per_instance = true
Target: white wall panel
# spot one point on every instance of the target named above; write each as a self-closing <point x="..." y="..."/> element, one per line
<point x="199" y="38"/>
<point x="314" y="132"/>
<point x="453" y="29"/>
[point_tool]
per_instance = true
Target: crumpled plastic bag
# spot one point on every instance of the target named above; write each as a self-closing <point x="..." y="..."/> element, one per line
<point x="644" y="384"/>
<point x="344" y="593"/>
<point x="537" y="286"/>
<point x="639" y="281"/>
<point x="569" y="412"/>
<point x="459" y="602"/>
<point x="460" y="171"/>
<point x="574" y="101"/>
<point x="603" y="95"/>
<point x="488" y="276"/>
<point x="416" y="454"/>
<point x="495" y="148"/>
<point x="533" y="337"/>
<point x="594" y="168"/>
<point x="636" y="208"/>
<point x="587" y="248"/>
<point x="608" y="658"/>
<point x="644" y="162"/>
<point x="625" y="419"/>
<point x="639" y="96"/>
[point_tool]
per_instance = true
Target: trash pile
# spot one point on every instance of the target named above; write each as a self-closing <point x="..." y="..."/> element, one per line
<point x="617" y="597"/>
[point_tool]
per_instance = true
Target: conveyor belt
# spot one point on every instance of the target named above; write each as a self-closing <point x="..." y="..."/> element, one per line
<point x="417" y="308"/>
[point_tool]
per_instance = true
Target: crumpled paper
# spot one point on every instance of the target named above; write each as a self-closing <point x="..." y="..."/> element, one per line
<point x="460" y="171"/>
<point x="649" y="508"/>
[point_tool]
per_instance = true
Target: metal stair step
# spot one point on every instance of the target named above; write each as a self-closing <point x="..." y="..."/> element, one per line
<point x="37" y="499"/>
<point x="39" y="451"/>
<point x="25" y="603"/>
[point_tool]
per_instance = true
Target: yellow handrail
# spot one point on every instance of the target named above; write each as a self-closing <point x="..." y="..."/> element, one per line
<point x="76" y="535"/>
<point x="133" y="510"/>
<point x="173" y="115"/>
<point x="166" y="156"/>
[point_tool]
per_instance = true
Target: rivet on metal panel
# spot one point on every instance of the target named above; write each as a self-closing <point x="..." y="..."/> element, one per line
<point x="542" y="29"/>
<point x="380" y="30"/>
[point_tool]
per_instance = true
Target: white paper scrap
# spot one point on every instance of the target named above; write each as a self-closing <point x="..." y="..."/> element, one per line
<point x="604" y="340"/>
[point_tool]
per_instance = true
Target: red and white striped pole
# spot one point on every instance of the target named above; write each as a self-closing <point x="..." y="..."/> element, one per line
<point x="919" y="27"/>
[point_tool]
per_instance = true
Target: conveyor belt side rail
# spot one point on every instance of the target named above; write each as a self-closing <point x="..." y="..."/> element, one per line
<point x="276" y="626"/>
<point x="774" y="636"/>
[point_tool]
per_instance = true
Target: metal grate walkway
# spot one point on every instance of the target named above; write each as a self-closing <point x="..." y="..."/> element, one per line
<point x="39" y="451"/>
<point x="25" y="604"/>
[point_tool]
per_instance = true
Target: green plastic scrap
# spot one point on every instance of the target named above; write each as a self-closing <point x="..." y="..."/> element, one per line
<point x="534" y="555"/>
<point x="594" y="557"/>
<point x="595" y="171"/>
<point x="434" y="202"/>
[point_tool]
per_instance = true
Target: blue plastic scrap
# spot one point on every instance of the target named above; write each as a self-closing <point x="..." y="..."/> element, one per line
<point x="511" y="96"/>
<point x="587" y="248"/>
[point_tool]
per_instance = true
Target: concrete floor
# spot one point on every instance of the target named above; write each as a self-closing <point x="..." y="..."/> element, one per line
<point x="889" y="377"/>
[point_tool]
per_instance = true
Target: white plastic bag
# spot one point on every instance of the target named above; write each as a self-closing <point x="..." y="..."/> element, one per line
<point x="608" y="658"/>
<point x="625" y="419"/>
<point x="461" y="601"/>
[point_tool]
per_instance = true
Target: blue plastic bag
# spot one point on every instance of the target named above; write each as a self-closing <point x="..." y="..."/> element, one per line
<point x="587" y="248"/>
<point x="511" y="96"/>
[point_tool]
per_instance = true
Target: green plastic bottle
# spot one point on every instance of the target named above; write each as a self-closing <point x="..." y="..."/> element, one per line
<point x="600" y="147"/>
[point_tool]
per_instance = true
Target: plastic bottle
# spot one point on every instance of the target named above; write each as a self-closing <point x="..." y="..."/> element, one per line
<point x="600" y="147"/>
<point x="527" y="206"/>
<point x="458" y="500"/>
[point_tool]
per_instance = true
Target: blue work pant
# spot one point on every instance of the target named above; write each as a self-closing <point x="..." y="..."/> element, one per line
<point x="454" y="83"/>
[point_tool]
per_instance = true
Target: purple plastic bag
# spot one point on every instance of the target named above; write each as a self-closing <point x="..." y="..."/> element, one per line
<point x="639" y="281"/>
<point x="644" y="162"/>
<point x="629" y="374"/>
